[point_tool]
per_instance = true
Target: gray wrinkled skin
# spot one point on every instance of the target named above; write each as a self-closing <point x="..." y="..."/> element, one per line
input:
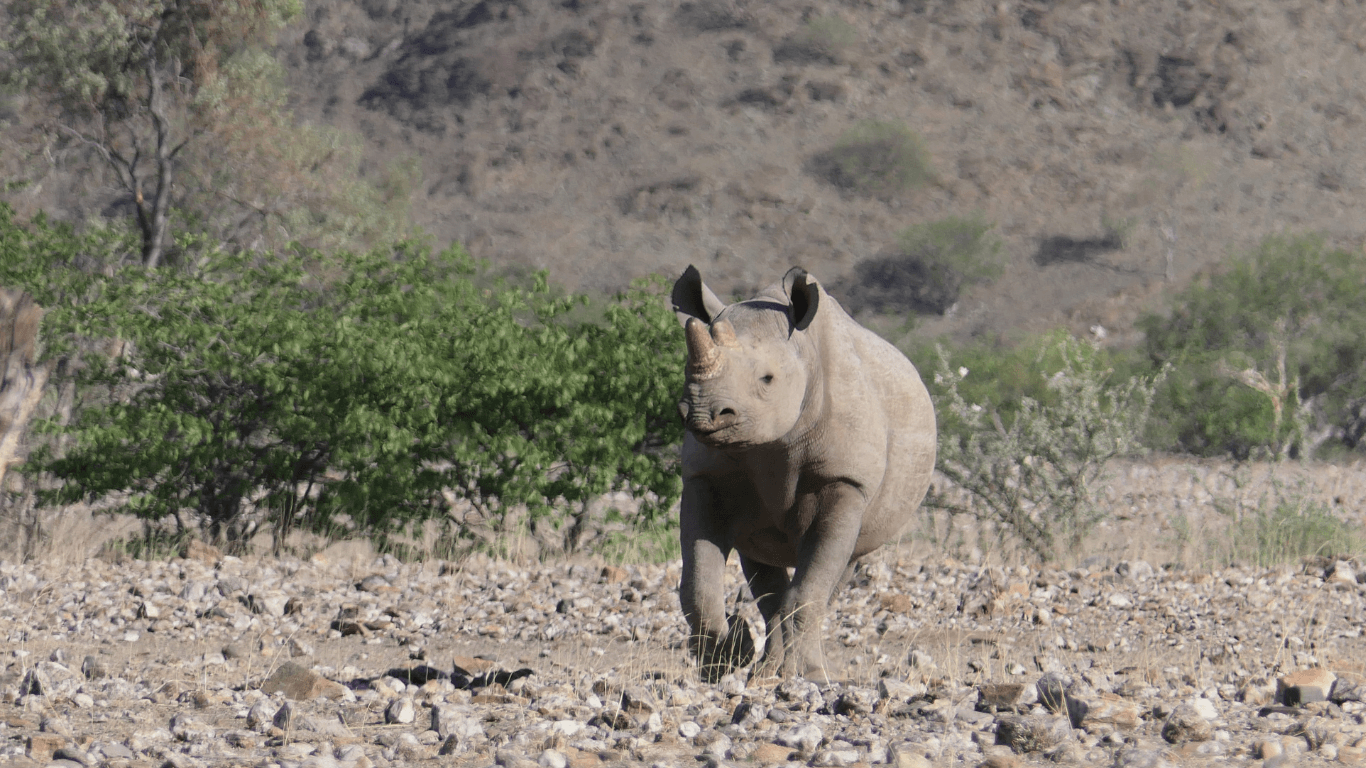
<point x="810" y="443"/>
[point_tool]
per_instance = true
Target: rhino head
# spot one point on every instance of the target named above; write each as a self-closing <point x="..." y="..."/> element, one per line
<point x="749" y="364"/>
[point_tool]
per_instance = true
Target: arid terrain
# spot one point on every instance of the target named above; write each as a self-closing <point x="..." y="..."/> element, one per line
<point x="1148" y="652"/>
<point x="1118" y="148"/>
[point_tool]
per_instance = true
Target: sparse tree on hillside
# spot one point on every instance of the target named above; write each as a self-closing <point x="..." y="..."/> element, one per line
<point x="136" y="81"/>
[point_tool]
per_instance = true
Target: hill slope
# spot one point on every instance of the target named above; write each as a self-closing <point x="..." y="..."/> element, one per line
<point x="607" y="139"/>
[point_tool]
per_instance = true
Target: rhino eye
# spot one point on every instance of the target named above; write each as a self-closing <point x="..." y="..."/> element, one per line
<point x="766" y="378"/>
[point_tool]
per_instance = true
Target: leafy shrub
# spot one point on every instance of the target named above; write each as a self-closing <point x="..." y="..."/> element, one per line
<point x="1280" y="524"/>
<point x="1267" y="354"/>
<point x="929" y="268"/>
<point x="1030" y="474"/>
<point x="821" y="40"/>
<point x="354" y="392"/>
<point x="875" y="158"/>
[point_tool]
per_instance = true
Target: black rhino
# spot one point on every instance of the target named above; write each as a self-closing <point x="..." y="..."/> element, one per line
<point x="810" y="442"/>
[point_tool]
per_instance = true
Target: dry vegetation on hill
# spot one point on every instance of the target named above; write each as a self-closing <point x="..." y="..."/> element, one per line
<point x="604" y="140"/>
<point x="1117" y="147"/>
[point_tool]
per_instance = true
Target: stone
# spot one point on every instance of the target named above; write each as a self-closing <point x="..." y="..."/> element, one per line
<point x="74" y="755"/>
<point x="1348" y="686"/>
<point x="748" y="714"/>
<point x="301" y="684"/>
<point x="261" y="715"/>
<point x="1105" y="709"/>
<point x="805" y="738"/>
<point x="401" y="711"/>
<point x="1265" y="749"/>
<point x="993" y="697"/>
<point x="57" y="725"/>
<point x="40" y="747"/>
<point x="513" y="759"/>
<point x="376" y="584"/>
<point x="94" y="668"/>
<point x="1304" y="686"/>
<point x="1134" y="570"/>
<point x="1341" y="572"/>
<point x="1138" y="757"/>
<point x="1205" y="708"/>
<point x="1052" y="688"/>
<point x="328" y="727"/>
<point x="714" y="743"/>
<point x="470" y="666"/>
<point x="1000" y="761"/>
<point x="236" y="651"/>
<point x="892" y="689"/>
<point x="1351" y="755"/>
<point x="638" y="701"/>
<point x="567" y="728"/>
<point x="452" y="724"/>
<point x="1317" y="731"/>
<point x="578" y="759"/>
<point x="1032" y="733"/>
<point x="1185" y="724"/>
<point x="770" y="754"/>
<point x="1258" y="692"/>
<point x="283" y="718"/>
<point x="855" y="702"/>
<point x="907" y="756"/>
<point x="551" y="758"/>
<point x="835" y="757"/>
<point x="114" y="751"/>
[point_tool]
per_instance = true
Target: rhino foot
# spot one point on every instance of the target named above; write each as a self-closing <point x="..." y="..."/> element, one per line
<point x="716" y="658"/>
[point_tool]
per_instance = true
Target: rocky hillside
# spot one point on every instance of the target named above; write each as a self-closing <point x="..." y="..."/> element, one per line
<point x="1119" y="148"/>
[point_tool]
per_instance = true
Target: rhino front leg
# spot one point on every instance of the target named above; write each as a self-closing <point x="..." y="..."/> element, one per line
<point x="769" y="585"/>
<point x="823" y="553"/>
<point x="720" y="644"/>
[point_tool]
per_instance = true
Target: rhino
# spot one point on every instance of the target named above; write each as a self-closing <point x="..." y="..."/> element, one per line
<point x="809" y="443"/>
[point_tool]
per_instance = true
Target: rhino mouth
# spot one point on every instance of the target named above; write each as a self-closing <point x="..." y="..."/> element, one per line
<point x="714" y="430"/>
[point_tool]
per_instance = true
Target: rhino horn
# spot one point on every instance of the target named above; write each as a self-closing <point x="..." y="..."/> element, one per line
<point x="704" y="357"/>
<point x="723" y="333"/>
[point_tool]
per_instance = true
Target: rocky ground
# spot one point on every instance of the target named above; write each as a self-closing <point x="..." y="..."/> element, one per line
<point x="210" y="660"/>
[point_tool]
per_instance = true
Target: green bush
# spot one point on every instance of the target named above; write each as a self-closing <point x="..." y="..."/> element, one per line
<point x="1266" y="355"/>
<point x="999" y="375"/>
<point x="929" y="268"/>
<point x="821" y="40"/>
<point x="876" y="159"/>
<point x="1030" y="474"/>
<point x="352" y="392"/>
<point x="1280" y="524"/>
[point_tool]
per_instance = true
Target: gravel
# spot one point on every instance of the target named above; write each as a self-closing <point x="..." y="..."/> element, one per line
<point x="322" y="663"/>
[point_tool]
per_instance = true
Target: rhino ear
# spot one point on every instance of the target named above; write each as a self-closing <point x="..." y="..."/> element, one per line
<point x="804" y="297"/>
<point x="692" y="298"/>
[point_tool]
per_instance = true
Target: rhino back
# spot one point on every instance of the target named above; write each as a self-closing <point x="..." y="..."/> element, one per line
<point x="878" y="417"/>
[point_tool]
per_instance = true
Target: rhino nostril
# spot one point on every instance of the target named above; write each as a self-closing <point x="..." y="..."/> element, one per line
<point x="726" y="412"/>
